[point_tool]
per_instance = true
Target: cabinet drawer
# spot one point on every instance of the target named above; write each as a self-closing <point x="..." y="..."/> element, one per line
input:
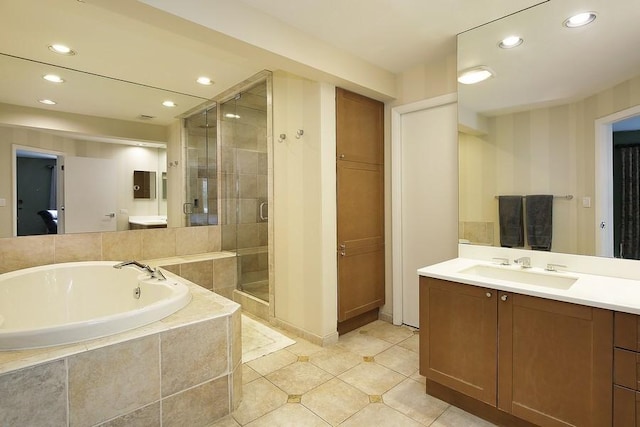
<point x="626" y="366"/>
<point x="626" y="407"/>
<point x="626" y="330"/>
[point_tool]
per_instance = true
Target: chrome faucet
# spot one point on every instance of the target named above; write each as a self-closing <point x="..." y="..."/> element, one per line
<point x="154" y="272"/>
<point x="503" y="261"/>
<point x="552" y="267"/>
<point x="525" y="262"/>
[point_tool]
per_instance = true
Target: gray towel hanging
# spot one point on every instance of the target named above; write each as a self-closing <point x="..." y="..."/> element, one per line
<point x="539" y="210"/>
<point x="511" y="222"/>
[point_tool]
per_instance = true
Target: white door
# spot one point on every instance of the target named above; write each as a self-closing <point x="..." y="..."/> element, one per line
<point x="89" y="194"/>
<point x="426" y="166"/>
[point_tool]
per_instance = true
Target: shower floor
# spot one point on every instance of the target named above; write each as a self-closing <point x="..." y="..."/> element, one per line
<point x="257" y="289"/>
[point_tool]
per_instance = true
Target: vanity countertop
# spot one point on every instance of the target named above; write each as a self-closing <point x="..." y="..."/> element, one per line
<point x="611" y="293"/>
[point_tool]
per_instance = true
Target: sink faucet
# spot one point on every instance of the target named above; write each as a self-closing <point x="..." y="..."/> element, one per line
<point x="154" y="272"/>
<point x="525" y="262"/>
<point x="552" y="267"/>
<point x="503" y="261"/>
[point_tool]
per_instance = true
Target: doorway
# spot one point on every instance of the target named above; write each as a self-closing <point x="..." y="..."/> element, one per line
<point x="606" y="225"/>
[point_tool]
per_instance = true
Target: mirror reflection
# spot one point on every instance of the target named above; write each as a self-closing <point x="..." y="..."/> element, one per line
<point x="545" y="124"/>
<point x="121" y="122"/>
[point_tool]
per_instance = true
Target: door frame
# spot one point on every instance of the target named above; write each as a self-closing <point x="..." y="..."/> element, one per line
<point x="604" y="178"/>
<point x="14" y="179"/>
<point x="396" y="192"/>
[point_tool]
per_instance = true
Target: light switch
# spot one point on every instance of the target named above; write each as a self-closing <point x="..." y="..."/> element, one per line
<point x="586" y="202"/>
<point x="3" y="202"/>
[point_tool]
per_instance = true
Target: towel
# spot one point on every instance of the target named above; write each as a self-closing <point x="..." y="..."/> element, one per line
<point x="539" y="221"/>
<point x="511" y="224"/>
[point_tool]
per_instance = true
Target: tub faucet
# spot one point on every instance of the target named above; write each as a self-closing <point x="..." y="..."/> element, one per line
<point x="154" y="272"/>
<point x="525" y="262"/>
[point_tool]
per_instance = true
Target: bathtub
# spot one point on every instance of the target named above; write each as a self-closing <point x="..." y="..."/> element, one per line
<point x="71" y="302"/>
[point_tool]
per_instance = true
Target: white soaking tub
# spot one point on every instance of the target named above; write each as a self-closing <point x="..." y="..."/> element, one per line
<point x="71" y="302"/>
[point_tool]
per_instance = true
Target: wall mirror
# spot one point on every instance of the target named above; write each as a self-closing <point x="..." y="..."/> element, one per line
<point x="543" y="124"/>
<point x="129" y="59"/>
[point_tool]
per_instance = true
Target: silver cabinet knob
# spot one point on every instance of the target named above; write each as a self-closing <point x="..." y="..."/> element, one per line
<point x="342" y="254"/>
<point x="488" y="294"/>
<point x="504" y="297"/>
<point x="343" y="246"/>
<point x="342" y="156"/>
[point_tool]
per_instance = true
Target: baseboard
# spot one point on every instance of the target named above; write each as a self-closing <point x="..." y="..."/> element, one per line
<point x="329" y="339"/>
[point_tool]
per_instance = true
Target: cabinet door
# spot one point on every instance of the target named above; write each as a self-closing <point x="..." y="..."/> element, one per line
<point x="626" y="407"/>
<point x="555" y="361"/>
<point x="458" y="337"/>
<point x="360" y="128"/>
<point x="361" y="280"/>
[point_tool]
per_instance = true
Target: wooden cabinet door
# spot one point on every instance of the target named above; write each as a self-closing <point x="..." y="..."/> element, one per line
<point x="458" y="338"/>
<point x="359" y="128"/>
<point x="361" y="278"/>
<point x="626" y="407"/>
<point x="555" y="361"/>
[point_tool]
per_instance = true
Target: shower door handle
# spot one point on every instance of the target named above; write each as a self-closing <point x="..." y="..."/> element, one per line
<point x="262" y="215"/>
<point x="187" y="208"/>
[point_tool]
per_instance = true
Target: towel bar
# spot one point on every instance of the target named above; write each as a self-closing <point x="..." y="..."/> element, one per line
<point x="567" y="197"/>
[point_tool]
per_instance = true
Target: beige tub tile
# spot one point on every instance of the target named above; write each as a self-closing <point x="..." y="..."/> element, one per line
<point x="78" y="247"/>
<point x="149" y="416"/>
<point x="215" y="240"/>
<point x="198" y="406"/>
<point x="409" y="397"/>
<point x="193" y="354"/>
<point x="113" y="381"/>
<point x="289" y="415"/>
<point x="236" y="387"/>
<point x="200" y="273"/>
<point x="34" y="396"/>
<point x="236" y="338"/>
<point x="192" y="240"/>
<point x="158" y="243"/>
<point x="335" y="401"/>
<point x="224" y="272"/>
<point x="26" y="251"/>
<point x="122" y="245"/>
<point x="259" y="397"/>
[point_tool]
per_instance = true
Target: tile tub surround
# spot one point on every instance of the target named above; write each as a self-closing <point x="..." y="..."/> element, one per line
<point x="156" y="373"/>
<point x="31" y="251"/>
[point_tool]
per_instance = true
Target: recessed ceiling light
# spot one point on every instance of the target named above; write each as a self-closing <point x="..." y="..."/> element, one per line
<point x="475" y="75"/>
<point x="580" y="19"/>
<point x="206" y="81"/>
<point x="510" y="42"/>
<point x="47" y="102"/>
<point x="61" y="49"/>
<point x="53" y="78"/>
<point x="169" y="104"/>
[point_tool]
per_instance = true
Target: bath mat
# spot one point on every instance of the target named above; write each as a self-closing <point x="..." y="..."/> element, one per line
<point x="259" y="340"/>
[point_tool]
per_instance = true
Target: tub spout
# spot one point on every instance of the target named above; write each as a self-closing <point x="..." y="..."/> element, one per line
<point x="154" y="272"/>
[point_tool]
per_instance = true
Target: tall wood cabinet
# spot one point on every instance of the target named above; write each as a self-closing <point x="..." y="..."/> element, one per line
<point x="360" y="208"/>
<point x="521" y="360"/>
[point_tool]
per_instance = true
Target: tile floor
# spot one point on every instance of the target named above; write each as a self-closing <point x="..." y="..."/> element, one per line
<point x="369" y="378"/>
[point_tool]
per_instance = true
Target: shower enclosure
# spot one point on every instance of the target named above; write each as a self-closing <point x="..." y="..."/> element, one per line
<point x="230" y="184"/>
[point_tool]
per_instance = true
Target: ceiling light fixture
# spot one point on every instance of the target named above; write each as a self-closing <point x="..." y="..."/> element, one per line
<point x="475" y="75"/>
<point x="510" y="42"/>
<point x="61" y="49"/>
<point x="232" y="116"/>
<point x="53" y="78"/>
<point x="47" y="102"/>
<point x="206" y="81"/>
<point x="580" y="20"/>
<point x="169" y="104"/>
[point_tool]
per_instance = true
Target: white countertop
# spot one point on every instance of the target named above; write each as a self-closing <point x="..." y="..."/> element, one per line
<point x="611" y="293"/>
<point x="148" y="220"/>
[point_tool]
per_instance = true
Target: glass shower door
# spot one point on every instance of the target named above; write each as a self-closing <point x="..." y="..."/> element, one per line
<point x="244" y="177"/>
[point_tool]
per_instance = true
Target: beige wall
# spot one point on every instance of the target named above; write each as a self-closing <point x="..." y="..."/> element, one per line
<point x="304" y="205"/>
<point x="542" y="151"/>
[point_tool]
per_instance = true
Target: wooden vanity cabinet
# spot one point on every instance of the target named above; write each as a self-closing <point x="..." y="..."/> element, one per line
<point x="545" y="362"/>
<point x="626" y="370"/>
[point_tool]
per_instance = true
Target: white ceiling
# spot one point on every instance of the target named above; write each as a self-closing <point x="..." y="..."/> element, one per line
<point x="129" y="40"/>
